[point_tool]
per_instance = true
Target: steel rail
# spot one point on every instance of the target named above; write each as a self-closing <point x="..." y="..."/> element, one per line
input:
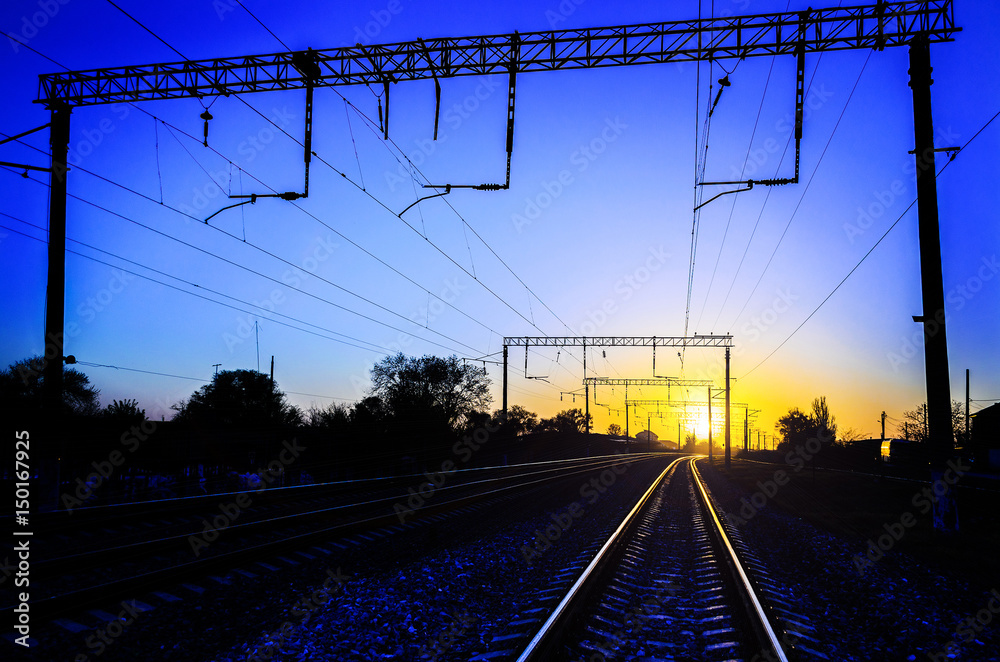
<point x="58" y="604"/>
<point x="733" y="560"/>
<point x="539" y="646"/>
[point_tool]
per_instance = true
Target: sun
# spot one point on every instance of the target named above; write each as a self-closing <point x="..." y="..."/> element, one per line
<point x="699" y="426"/>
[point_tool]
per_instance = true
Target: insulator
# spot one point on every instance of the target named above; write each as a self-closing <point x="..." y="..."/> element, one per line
<point x="206" y="116"/>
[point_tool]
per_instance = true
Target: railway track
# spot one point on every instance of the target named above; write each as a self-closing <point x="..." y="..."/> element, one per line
<point x="142" y="557"/>
<point x="667" y="584"/>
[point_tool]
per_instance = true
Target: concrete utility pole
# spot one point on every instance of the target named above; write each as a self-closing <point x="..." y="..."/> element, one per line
<point x="709" y="423"/>
<point x="505" y="383"/>
<point x="883" y="426"/>
<point x="728" y="420"/>
<point x="968" y="439"/>
<point x="938" y="408"/>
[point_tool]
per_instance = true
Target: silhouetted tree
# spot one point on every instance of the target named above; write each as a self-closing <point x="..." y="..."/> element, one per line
<point x="21" y="389"/>
<point x="238" y="397"/>
<point x="615" y="430"/>
<point x="823" y="420"/>
<point x="916" y="423"/>
<point x="795" y="427"/>
<point x="850" y="435"/>
<point x="125" y="410"/>
<point x="430" y="392"/>
<point x="519" y="420"/>
<point x="368" y="417"/>
<point x="569" y="420"/>
<point x="336" y="416"/>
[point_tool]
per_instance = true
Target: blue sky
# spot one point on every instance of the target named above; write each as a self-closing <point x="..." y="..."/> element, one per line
<point x="592" y="238"/>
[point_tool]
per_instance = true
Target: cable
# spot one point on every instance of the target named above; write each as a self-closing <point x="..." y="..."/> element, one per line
<point x="855" y="268"/>
<point x="732" y="208"/>
<point x="137" y="22"/>
<point x="254" y="16"/>
<point x="262" y="275"/>
<point x="464" y="222"/>
<point x="370" y="123"/>
<point x="373" y="347"/>
<point x="142" y="195"/>
<point x="194" y="294"/>
<point x="805" y="190"/>
<point x="148" y="372"/>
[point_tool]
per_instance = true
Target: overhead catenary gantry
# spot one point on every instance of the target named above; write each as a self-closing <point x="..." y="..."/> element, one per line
<point x="655" y="381"/>
<point x="913" y="23"/>
<point x="724" y="341"/>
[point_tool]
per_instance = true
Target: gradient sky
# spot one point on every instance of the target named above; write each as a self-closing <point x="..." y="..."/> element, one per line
<point x="614" y="235"/>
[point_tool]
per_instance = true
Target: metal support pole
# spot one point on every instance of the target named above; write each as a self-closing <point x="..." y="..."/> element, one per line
<point x="746" y="431"/>
<point x="626" y="415"/>
<point x="728" y="450"/>
<point x="55" y="306"/>
<point x="940" y="434"/>
<point x="504" y="384"/>
<point x="55" y="291"/>
<point x="649" y="432"/>
<point x="968" y="439"/>
<point x="586" y="392"/>
<point x="709" y="423"/>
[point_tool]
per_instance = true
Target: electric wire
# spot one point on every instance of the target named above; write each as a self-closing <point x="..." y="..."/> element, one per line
<point x="195" y="294"/>
<point x="246" y="103"/>
<point x="248" y="269"/>
<point x="732" y="207"/>
<point x="870" y="251"/>
<point x="370" y="124"/>
<point x="372" y="347"/>
<point x="179" y="211"/>
<point x="805" y="190"/>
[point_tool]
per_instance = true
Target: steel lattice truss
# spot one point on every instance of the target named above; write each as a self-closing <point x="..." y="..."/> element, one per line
<point x="878" y="26"/>
<point x="657" y="381"/>
<point x="678" y="403"/>
<point x="619" y="341"/>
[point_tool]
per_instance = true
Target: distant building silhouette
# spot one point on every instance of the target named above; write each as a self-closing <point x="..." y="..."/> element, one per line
<point x="986" y="436"/>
